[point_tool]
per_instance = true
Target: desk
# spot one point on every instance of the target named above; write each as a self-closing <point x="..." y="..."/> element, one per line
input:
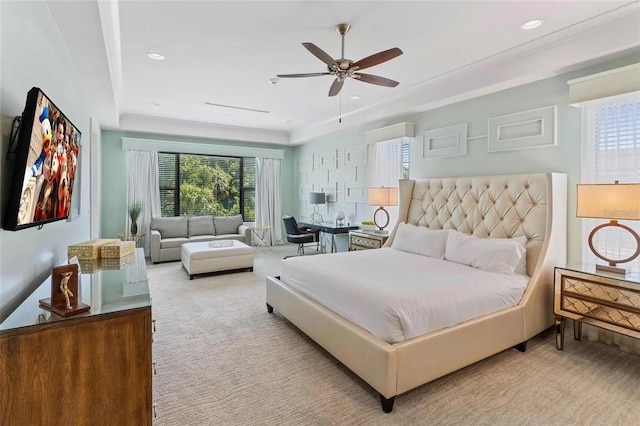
<point x="329" y="228"/>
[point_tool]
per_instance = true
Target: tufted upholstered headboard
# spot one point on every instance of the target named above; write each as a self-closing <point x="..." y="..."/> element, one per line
<point x="502" y="206"/>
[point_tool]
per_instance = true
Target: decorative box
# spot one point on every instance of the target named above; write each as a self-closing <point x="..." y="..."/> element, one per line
<point x="117" y="262"/>
<point x="88" y="249"/>
<point x="117" y="249"/>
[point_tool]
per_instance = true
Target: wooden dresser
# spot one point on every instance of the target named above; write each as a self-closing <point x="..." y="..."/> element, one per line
<point x="89" y="369"/>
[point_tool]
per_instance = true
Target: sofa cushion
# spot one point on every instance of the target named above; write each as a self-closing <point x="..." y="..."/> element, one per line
<point x="168" y="243"/>
<point x="200" y="238"/>
<point x="227" y="224"/>
<point x="170" y="227"/>
<point x="201" y="225"/>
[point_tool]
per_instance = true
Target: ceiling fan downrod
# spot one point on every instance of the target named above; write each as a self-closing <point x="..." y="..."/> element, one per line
<point x="342" y="29"/>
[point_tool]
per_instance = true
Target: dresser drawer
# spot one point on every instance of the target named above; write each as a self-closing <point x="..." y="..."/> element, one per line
<point x="365" y="242"/>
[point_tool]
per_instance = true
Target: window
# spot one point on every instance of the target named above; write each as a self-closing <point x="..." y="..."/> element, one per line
<point x="612" y="152"/>
<point x="192" y="185"/>
<point x="405" y="160"/>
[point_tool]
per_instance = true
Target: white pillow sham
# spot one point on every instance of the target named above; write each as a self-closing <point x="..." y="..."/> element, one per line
<point x="502" y="255"/>
<point x="420" y="240"/>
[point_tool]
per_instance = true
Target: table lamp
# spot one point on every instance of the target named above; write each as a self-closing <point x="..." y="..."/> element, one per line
<point x="317" y="198"/>
<point x="383" y="196"/>
<point x="614" y="201"/>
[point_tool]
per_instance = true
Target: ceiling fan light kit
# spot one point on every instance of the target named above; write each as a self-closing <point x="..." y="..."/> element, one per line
<point x="344" y="68"/>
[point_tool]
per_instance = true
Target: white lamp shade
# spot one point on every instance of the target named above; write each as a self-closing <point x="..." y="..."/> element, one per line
<point x="317" y="198"/>
<point x="609" y="201"/>
<point x="385" y="196"/>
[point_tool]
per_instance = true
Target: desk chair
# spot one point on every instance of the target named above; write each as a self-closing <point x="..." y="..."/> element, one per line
<point x="299" y="234"/>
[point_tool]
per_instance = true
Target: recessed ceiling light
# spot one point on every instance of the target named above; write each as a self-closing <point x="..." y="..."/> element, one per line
<point x="156" y="56"/>
<point x="355" y="98"/>
<point x="534" y="23"/>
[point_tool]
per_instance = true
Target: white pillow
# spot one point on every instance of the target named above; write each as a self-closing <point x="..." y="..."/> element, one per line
<point x="420" y="240"/>
<point x="491" y="254"/>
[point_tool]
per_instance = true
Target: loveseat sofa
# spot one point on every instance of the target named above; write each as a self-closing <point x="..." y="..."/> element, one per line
<point x="169" y="233"/>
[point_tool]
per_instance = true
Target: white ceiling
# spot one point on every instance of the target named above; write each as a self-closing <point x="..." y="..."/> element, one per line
<point x="225" y="52"/>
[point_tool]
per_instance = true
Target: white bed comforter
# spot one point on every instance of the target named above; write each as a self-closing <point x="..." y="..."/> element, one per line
<point x="398" y="295"/>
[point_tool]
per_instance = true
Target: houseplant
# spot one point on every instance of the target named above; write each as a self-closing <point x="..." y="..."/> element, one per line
<point x="368" y="225"/>
<point x="135" y="209"/>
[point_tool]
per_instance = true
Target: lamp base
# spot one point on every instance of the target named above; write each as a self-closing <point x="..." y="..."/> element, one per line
<point x="379" y="225"/>
<point x="316" y="216"/>
<point x="612" y="269"/>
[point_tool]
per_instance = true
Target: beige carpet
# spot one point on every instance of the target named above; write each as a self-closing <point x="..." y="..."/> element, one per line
<point x="223" y="360"/>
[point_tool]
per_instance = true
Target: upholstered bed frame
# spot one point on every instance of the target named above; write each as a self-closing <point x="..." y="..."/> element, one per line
<point x="504" y="206"/>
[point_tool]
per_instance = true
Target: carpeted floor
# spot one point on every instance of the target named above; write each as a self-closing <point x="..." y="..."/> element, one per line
<point x="223" y="360"/>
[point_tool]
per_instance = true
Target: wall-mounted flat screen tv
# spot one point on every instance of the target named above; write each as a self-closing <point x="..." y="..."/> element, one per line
<point x="47" y="151"/>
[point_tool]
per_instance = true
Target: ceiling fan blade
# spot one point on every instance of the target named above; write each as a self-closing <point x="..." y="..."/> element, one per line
<point x="378" y="58"/>
<point x="374" y="79"/>
<point x="311" y="74"/>
<point x="336" y="87"/>
<point x="320" y="54"/>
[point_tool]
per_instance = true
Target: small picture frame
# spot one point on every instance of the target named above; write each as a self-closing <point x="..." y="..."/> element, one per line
<point x="65" y="292"/>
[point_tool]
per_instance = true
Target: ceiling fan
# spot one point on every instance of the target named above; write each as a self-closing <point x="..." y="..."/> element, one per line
<point x="344" y="68"/>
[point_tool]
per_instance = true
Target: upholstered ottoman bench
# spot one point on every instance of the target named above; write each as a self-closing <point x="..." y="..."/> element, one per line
<point x="216" y="256"/>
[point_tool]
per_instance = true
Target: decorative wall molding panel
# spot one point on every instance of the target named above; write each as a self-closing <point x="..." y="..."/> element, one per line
<point x="303" y="192"/>
<point x="355" y="156"/>
<point x="330" y="192"/>
<point x="327" y="159"/>
<point x="445" y="142"/>
<point x="527" y="129"/>
<point x="355" y="192"/>
<point x="305" y="163"/>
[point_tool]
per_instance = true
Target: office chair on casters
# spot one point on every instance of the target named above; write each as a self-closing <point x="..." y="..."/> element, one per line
<point x="299" y="234"/>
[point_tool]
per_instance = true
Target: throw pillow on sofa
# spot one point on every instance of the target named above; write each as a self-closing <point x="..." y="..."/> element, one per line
<point x="227" y="224"/>
<point x="201" y="225"/>
<point x="170" y="227"/>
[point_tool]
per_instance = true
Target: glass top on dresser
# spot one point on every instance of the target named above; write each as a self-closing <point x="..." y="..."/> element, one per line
<point x="105" y="290"/>
<point x="632" y="277"/>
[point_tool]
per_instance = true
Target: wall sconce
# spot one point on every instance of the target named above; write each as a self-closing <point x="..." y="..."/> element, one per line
<point x="614" y="202"/>
<point x="317" y="198"/>
<point x="382" y="197"/>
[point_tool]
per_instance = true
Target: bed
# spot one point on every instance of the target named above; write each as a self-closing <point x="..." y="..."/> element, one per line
<point x="531" y="207"/>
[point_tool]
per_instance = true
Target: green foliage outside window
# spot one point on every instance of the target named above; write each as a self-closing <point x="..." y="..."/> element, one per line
<point x="192" y="185"/>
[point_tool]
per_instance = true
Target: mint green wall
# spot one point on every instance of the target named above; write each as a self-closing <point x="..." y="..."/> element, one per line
<point x="33" y="53"/>
<point x="114" y="175"/>
<point x="565" y="157"/>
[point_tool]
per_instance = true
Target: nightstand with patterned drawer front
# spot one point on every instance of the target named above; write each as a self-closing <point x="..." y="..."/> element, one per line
<point x="365" y="240"/>
<point x="605" y="300"/>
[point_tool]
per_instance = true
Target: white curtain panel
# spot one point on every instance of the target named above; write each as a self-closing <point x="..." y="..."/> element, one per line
<point x="268" y="199"/>
<point x="142" y="185"/>
<point x="385" y="169"/>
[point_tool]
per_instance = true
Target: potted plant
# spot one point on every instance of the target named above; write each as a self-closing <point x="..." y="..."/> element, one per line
<point x="368" y="225"/>
<point x="135" y="209"/>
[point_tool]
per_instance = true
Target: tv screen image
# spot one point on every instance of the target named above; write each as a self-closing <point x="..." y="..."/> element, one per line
<point x="47" y="154"/>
